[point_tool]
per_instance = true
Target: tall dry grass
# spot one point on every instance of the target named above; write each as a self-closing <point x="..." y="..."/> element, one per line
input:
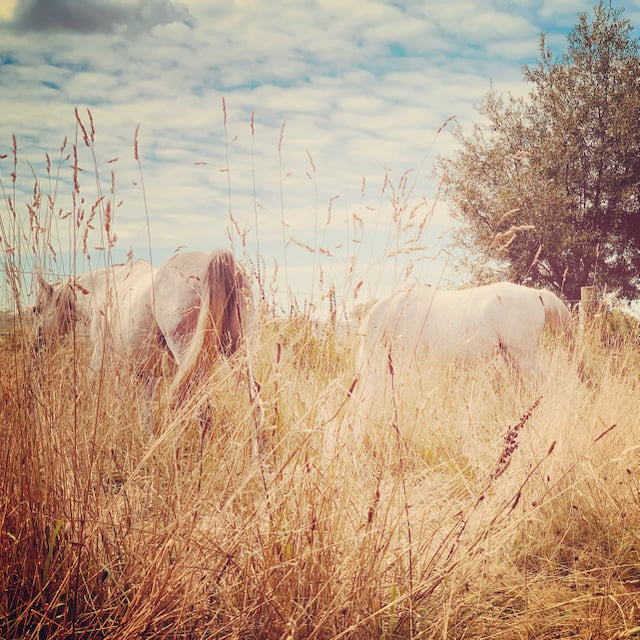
<point x="478" y="504"/>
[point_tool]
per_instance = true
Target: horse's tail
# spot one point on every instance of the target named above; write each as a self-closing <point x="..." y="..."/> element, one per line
<point x="219" y="327"/>
<point x="556" y="314"/>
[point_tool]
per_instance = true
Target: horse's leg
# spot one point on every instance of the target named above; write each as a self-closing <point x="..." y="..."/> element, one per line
<point x="149" y="385"/>
<point x="524" y="360"/>
<point x="350" y="424"/>
<point x="370" y="393"/>
<point x="205" y="421"/>
<point x="98" y="338"/>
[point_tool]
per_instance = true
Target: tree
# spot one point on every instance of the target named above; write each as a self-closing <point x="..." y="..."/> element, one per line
<point x="547" y="187"/>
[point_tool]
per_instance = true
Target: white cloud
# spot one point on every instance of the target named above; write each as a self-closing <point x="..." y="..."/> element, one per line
<point x="361" y="86"/>
<point x="566" y="9"/>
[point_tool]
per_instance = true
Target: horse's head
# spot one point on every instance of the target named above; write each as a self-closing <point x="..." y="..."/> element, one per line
<point x="55" y="308"/>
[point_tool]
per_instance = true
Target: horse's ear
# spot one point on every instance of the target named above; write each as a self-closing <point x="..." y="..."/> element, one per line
<point x="45" y="291"/>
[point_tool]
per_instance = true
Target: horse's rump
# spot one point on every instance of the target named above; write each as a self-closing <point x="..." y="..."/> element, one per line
<point x="557" y="315"/>
<point x="209" y="317"/>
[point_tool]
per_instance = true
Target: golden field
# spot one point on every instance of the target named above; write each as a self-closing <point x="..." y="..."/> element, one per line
<point x="483" y="505"/>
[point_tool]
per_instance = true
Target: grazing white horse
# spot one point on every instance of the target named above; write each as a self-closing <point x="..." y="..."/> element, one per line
<point x="423" y="324"/>
<point x="196" y="306"/>
<point x="423" y="321"/>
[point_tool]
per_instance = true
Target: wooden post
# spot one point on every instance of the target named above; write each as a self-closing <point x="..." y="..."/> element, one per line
<point x="587" y="295"/>
<point x="587" y="305"/>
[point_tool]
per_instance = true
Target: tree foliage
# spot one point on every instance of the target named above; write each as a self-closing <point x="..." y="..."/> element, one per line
<point x="547" y="186"/>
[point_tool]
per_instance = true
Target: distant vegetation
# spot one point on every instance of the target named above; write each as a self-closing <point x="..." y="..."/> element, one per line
<point x="6" y="322"/>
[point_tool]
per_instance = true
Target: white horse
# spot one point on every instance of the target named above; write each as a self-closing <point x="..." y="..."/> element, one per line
<point x="196" y="306"/>
<point x="422" y="324"/>
<point x="465" y="324"/>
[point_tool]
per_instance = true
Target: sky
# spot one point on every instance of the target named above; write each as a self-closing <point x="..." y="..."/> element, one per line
<point x="282" y="129"/>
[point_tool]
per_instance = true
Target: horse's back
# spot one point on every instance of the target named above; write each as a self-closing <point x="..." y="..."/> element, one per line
<point x="424" y="319"/>
<point x="464" y="323"/>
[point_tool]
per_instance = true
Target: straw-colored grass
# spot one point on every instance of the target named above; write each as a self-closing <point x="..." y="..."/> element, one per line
<point x="469" y="502"/>
<point x="118" y="521"/>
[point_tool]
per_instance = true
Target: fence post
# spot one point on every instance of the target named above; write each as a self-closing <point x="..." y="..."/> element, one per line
<point x="587" y="295"/>
<point x="587" y="305"/>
